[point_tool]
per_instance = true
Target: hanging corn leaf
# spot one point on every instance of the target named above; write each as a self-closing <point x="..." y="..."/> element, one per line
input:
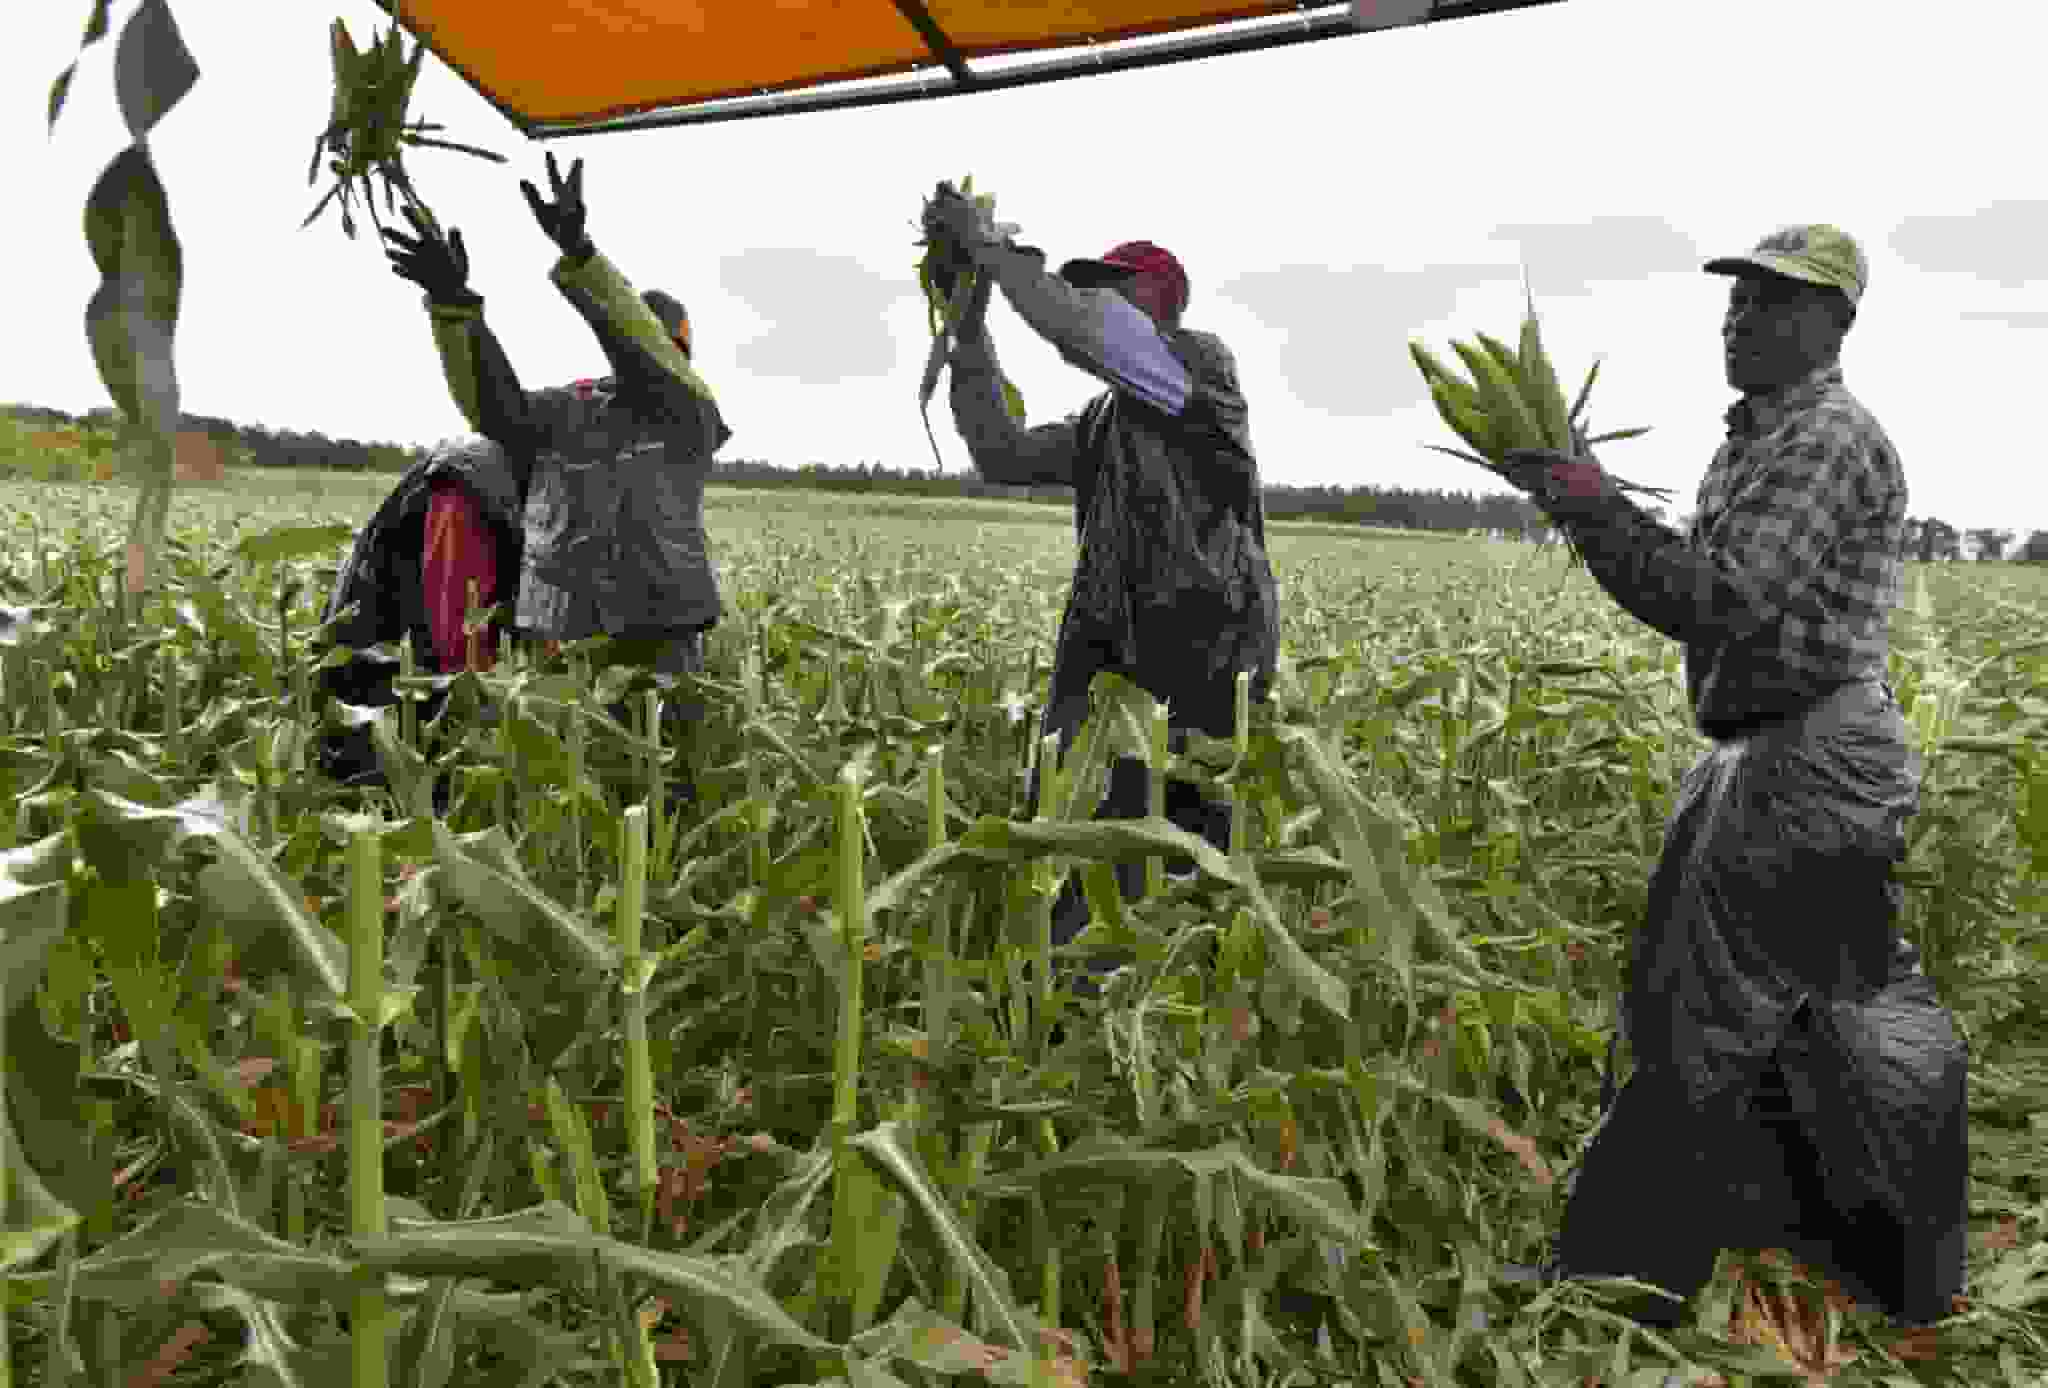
<point x="130" y="322"/>
<point x="133" y="315"/>
<point x="95" y="30"/>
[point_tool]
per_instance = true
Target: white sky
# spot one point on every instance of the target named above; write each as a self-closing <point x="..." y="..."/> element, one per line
<point x="1329" y="199"/>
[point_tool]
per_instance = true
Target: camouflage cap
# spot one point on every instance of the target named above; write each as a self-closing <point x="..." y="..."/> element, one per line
<point x="1817" y="254"/>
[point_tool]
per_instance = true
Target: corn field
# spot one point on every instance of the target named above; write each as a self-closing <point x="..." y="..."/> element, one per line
<point x="565" y="1083"/>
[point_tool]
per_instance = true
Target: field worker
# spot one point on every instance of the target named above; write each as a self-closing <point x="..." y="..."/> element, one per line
<point x="1798" y="1084"/>
<point x="452" y="519"/>
<point x="613" y="521"/>
<point x="1172" y="588"/>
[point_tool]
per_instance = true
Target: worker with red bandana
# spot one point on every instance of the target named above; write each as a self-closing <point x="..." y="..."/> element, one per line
<point x="1172" y="586"/>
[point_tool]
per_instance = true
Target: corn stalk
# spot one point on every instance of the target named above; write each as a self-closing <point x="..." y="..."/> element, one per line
<point x="370" y="1320"/>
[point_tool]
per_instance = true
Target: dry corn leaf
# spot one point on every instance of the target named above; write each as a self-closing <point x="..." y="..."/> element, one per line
<point x="1198" y="1272"/>
<point x="1117" y="1342"/>
<point x="274" y="1111"/>
<point x="171" y="1356"/>
<point x="1791" y="1323"/>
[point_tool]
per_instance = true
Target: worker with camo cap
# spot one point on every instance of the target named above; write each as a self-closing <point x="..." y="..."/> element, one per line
<point x="1172" y="587"/>
<point x="614" y="531"/>
<point x="614" y="539"/>
<point x="1797" y="1082"/>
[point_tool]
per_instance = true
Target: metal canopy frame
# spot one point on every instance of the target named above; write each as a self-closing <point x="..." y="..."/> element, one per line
<point x="951" y="75"/>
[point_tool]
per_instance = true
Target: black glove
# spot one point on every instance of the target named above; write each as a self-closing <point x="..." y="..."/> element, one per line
<point x="959" y="220"/>
<point x="562" y="219"/>
<point x="436" y="263"/>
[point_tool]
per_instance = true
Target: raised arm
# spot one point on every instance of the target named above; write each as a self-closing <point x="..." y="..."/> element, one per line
<point x="650" y="369"/>
<point x="480" y="377"/>
<point x="1004" y="450"/>
<point x="1098" y="330"/>
<point x="482" y="381"/>
<point x="1758" y="562"/>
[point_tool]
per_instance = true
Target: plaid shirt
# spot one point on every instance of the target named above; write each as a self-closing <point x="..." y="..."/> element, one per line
<point x="1782" y="588"/>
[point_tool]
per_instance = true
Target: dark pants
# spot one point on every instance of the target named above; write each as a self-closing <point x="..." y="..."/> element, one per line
<point x="1129" y="797"/>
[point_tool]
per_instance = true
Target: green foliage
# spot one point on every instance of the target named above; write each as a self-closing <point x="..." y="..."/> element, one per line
<point x="39" y="450"/>
<point x="1342" y="1083"/>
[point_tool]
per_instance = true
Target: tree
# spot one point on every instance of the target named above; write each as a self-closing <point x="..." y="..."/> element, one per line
<point x="2035" y="551"/>
<point x="1990" y="543"/>
<point x="1938" y="540"/>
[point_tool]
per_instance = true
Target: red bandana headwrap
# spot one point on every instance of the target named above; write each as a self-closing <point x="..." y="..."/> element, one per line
<point x="1149" y="259"/>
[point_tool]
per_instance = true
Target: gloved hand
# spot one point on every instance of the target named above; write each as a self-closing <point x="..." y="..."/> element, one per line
<point x="959" y="220"/>
<point x="562" y="219"/>
<point x="1552" y="478"/>
<point x="436" y="263"/>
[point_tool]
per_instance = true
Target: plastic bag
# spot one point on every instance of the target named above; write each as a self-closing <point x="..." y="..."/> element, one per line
<point x="1880" y="1088"/>
<point x="1775" y="887"/>
<point x="1780" y="1026"/>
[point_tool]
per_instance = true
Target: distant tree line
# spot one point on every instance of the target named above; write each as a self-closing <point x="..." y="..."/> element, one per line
<point x="1403" y="508"/>
<point x="1928" y="539"/>
<point x="252" y="445"/>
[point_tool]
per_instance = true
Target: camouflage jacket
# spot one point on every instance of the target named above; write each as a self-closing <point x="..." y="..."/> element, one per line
<point x="1782" y="587"/>
<point x="613" y="521"/>
<point x="381" y="576"/>
<point x="1172" y="586"/>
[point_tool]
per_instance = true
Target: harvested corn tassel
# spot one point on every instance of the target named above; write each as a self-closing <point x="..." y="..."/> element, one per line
<point x="367" y="132"/>
<point x="1513" y="401"/>
<point x="947" y="276"/>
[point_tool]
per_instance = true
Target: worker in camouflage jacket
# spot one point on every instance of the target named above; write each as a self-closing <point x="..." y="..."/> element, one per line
<point x="1798" y="1083"/>
<point x="1172" y="586"/>
<point x="612" y="522"/>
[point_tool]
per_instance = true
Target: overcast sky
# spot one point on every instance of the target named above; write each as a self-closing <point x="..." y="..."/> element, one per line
<point x="1329" y="200"/>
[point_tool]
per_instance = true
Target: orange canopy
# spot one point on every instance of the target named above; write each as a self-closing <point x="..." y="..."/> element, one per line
<point x="562" y="67"/>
